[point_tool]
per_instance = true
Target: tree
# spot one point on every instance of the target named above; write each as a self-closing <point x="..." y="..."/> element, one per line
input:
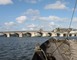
<point x="41" y="30"/>
<point x="58" y="29"/>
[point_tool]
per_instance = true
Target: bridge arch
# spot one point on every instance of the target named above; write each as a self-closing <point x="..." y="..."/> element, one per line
<point x="14" y="35"/>
<point x="49" y="34"/>
<point x="27" y="34"/>
<point x="3" y="35"/>
<point x="64" y="35"/>
<point x="75" y="35"/>
<point x="39" y="34"/>
<point x="58" y="34"/>
<point x="70" y="35"/>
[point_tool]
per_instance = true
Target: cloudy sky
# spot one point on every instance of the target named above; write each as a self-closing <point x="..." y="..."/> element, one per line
<point x="35" y="14"/>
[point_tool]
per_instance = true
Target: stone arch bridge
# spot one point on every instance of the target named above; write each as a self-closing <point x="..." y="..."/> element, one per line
<point x="35" y="34"/>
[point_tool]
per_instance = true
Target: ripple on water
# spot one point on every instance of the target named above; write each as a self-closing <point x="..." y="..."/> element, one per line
<point x="18" y="48"/>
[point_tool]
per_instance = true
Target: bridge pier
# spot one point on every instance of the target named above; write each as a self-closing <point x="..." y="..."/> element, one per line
<point x="20" y="34"/>
<point x="73" y="35"/>
<point x="33" y="34"/>
<point x="54" y="34"/>
<point x="44" y="34"/>
<point x="61" y="35"/>
<point x="7" y="34"/>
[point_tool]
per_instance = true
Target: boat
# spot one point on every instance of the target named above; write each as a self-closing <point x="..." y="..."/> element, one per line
<point x="58" y="48"/>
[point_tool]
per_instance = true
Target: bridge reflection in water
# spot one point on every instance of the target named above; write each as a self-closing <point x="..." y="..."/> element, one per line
<point x="36" y="34"/>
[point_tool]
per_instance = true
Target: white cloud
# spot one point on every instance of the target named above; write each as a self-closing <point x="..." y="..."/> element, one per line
<point x="34" y="17"/>
<point x="9" y="24"/>
<point x="42" y="26"/>
<point x="21" y="19"/>
<point x="5" y="2"/>
<point x="56" y="5"/>
<point x="31" y="26"/>
<point x="43" y="18"/>
<point x="24" y="29"/>
<point x="32" y="1"/>
<point x="51" y="24"/>
<point x="32" y="12"/>
<point x="56" y="18"/>
<point x="52" y="18"/>
<point x="75" y="19"/>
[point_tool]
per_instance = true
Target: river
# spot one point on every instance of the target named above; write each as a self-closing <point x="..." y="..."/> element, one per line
<point x="15" y="48"/>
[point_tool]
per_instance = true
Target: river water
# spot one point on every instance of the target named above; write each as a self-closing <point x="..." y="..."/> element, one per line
<point x="15" y="48"/>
